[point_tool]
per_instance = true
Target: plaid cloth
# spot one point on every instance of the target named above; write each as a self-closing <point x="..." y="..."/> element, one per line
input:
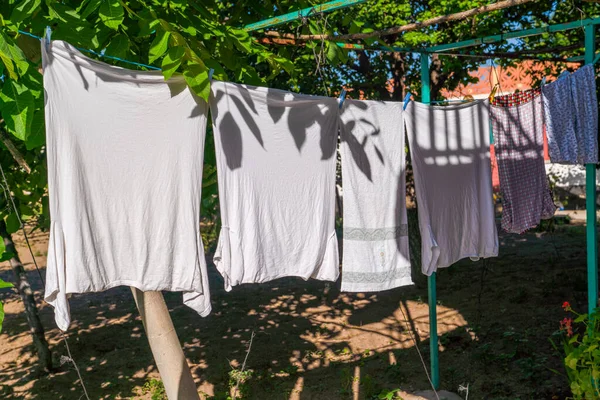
<point x="526" y="196"/>
<point x="515" y="99"/>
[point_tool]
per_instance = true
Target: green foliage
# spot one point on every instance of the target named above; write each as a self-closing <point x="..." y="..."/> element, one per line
<point x="389" y="395"/>
<point x="155" y="388"/>
<point x="172" y="61"/>
<point x="3" y="285"/>
<point x="581" y="346"/>
<point x="111" y="13"/>
<point x="1" y="315"/>
<point x="196" y="76"/>
<point x="159" y="45"/>
<point x="12" y="223"/>
<point x="18" y="104"/>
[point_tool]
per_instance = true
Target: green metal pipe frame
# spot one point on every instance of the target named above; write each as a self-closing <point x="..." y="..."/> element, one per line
<point x="393" y="49"/>
<point x="431" y="286"/>
<point x="480" y="41"/>
<point x="591" y="234"/>
<point x="590" y="197"/>
<point x="295" y="15"/>
<point x="516" y="34"/>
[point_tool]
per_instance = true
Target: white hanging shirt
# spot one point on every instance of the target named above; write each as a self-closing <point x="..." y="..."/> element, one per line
<point x="125" y="155"/>
<point x="276" y="158"/>
<point x="450" y="153"/>
<point x="375" y="250"/>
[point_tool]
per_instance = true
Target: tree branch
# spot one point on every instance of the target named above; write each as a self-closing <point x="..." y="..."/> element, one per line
<point x="410" y="27"/>
<point x="5" y="139"/>
<point x="27" y="296"/>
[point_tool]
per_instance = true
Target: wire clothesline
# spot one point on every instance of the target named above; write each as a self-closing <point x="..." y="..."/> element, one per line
<point x="345" y="45"/>
<point x="99" y="54"/>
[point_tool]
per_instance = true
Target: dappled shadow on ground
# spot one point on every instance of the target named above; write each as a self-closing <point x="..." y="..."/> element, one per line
<point x="313" y="342"/>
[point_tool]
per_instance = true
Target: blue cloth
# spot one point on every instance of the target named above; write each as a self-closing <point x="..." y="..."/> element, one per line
<point x="585" y="112"/>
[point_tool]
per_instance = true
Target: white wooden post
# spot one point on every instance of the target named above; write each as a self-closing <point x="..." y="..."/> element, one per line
<point x="164" y="343"/>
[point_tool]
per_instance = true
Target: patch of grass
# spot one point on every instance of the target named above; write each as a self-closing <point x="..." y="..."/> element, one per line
<point x="389" y="395"/>
<point x="395" y="373"/>
<point x="346" y="379"/>
<point x="156" y="389"/>
<point x="240" y="379"/>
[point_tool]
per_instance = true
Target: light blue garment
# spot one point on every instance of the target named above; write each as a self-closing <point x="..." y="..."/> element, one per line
<point x="585" y="113"/>
<point x="571" y="117"/>
<point x="559" y="120"/>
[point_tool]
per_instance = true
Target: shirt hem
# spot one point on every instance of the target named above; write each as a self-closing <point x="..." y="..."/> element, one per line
<point x="136" y="284"/>
<point x="463" y="256"/>
<point x="373" y="287"/>
<point x="289" y="275"/>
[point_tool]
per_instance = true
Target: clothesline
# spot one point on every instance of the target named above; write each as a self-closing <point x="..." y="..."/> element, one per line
<point x="376" y="255"/>
<point x="354" y="47"/>
<point x="101" y="54"/>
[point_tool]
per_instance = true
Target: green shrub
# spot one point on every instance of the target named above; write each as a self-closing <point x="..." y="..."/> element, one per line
<point x="580" y="339"/>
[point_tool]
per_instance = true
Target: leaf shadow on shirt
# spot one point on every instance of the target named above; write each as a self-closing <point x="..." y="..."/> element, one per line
<point x="349" y="133"/>
<point x="302" y="113"/>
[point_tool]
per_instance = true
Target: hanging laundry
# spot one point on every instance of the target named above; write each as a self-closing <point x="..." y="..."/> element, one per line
<point x="517" y="98"/>
<point x="510" y="100"/>
<point x="585" y="113"/>
<point x="276" y="159"/>
<point x="375" y="246"/>
<point x="560" y="122"/>
<point x="449" y="147"/>
<point x="519" y="147"/>
<point x="125" y="152"/>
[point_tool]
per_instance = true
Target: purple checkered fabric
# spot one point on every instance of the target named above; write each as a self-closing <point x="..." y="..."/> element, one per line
<point x="517" y="98"/>
<point x="518" y="134"/>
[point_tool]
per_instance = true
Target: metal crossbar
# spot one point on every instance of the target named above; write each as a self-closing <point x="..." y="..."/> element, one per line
<point x="516" y="34"/>
<point x="295" y="15"/>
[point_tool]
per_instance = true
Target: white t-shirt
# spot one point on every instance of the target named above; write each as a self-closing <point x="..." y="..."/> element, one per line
<point x="276" y="171"/>
<point x="125" y="155"/>
<point x="450" y="153"/>
<point x="375" y="250"/>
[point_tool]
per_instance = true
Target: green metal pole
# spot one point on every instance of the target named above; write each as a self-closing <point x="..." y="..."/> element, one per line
<point x="516" y="34"/>
<point x="305" y="12"/>
<point x="431" y="289"/>
<point x="590" y="198"/>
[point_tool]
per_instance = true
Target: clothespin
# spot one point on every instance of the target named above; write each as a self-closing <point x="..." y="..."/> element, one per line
<point x="493" y="94"/>
<point x="342" y="98"/>
<point x="48" y="35"/>
<point x="406" y="100"/>
<point x="210" y="73"/>
<point x="492" y="97"/>
<point x="543" y="81"/>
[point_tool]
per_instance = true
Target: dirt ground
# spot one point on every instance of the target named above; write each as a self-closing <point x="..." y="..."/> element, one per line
<point x="313" y="342"/>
